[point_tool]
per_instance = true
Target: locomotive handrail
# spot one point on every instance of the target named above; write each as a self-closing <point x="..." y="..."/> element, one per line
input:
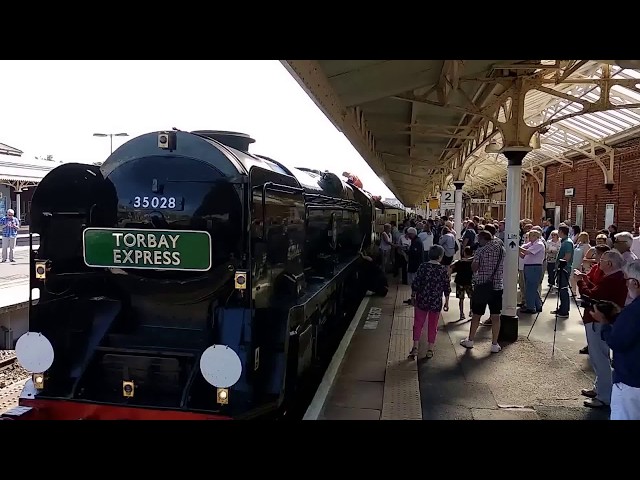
<point x="274" y="187"/>
<point x="332" y="207"/>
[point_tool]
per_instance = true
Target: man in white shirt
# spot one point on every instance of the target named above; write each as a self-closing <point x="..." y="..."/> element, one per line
<point x="426" y="237"/>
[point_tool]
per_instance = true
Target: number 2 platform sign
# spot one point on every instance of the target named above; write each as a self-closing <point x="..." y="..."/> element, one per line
<point x="447" y="199"/>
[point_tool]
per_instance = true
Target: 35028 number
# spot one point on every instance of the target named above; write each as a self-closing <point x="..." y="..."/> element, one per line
<point x="154" y="202"/>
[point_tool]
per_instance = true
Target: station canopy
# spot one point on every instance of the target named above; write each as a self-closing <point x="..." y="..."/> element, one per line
<point x="423" y="124"/>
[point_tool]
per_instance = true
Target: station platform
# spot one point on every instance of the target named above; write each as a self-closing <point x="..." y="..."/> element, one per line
<point x="14" y="279"/>
<point x="371" y="377"/>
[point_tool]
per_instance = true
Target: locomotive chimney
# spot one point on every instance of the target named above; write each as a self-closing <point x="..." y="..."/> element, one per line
<point x="237" y="140"/>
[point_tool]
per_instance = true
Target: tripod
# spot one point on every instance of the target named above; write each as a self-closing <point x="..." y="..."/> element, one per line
<point x="563" y="272"/>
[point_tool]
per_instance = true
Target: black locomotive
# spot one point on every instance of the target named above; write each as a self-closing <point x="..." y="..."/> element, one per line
<point x="188" y="278"/>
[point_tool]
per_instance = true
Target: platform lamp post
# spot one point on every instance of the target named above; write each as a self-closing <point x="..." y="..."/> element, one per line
<point x="111" y="135"/>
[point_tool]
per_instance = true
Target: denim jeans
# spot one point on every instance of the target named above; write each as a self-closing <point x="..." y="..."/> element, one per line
<point x="532" y="274"/>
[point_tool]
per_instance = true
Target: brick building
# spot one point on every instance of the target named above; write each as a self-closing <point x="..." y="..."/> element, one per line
<point x="592" y="204"/>
<point x="579" y="194"/>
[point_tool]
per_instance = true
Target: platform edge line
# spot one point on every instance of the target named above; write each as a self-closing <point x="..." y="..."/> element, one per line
<point x="317" y="404"/>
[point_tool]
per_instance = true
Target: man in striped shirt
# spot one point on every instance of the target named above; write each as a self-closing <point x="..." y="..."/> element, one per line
<point x="10" y="225"/>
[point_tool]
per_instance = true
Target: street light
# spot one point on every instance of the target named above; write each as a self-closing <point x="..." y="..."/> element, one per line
<point x="111" y="135"/>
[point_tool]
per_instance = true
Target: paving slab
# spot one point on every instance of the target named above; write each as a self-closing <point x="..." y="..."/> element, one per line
<point x="531" y="379"/>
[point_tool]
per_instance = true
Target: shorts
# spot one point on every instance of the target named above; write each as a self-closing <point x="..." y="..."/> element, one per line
<point x="479" y="305"/>
<point x="446" y="260"/>
<point x="462" y="289"/>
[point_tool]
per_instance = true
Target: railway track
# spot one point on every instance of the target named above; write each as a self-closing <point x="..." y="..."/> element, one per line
<point x="12" y="379"/>
<point x="7" y="358"/>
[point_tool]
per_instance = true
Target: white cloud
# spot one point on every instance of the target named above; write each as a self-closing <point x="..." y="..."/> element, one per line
<point x="54" y="107"/>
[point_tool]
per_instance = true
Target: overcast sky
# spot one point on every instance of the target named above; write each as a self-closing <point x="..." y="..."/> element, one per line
<point x="54" y="107"/>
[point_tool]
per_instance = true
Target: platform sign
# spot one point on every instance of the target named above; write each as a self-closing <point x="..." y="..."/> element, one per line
<point x="188" y="250"/>
<point x="447" y="199"/>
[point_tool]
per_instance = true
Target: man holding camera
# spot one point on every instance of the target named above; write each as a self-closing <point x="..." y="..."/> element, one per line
<point x="611" y="287"/>
<point x="563" y="271"/>
<point x="623" y="337"/>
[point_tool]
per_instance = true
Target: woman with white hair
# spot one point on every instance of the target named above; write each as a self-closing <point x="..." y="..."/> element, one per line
<point x="623" y="242"/>
<point x="621" y="331"/>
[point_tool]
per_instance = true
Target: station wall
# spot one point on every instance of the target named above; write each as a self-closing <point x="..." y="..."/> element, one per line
<point x="590" y="192"/>
<point x="591" y="197"/>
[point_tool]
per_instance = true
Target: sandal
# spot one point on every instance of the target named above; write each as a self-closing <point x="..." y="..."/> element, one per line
<point x="429" y="353"/>
<point x="413" y="353"/>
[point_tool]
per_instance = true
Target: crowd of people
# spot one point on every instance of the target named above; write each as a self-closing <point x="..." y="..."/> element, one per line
<point x="602" y="274"/>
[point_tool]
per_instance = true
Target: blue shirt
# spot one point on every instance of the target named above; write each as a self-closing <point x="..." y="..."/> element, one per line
<point x="566" y="246"/>
<point x="623" y="337"/>
<point x="10" y="229"/>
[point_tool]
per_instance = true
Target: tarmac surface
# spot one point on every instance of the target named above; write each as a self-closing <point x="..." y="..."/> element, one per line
<point x="524" y="381"/>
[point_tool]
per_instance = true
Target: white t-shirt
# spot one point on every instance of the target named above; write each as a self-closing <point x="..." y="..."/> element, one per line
<point x="427" y="240"/>
<point x="385" y="245"/>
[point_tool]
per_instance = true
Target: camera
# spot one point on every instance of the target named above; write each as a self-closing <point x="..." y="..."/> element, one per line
<point x="605" y="307"/>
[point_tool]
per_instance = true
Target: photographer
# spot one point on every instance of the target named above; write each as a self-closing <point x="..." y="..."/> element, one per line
<point x="563" y="271"/>
<point x="623" y="337"/>
<point x="611" y="287"/>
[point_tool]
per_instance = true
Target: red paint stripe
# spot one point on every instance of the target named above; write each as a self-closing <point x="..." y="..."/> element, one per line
<point x="69" y="410"/>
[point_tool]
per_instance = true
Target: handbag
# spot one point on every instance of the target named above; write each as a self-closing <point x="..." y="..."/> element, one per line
<point x="483" y="290"/>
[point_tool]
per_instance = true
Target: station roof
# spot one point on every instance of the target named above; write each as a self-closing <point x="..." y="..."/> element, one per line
<point x="416" y="122"/>
<point x="17" y="170"/>
<point x="7" y="150"/>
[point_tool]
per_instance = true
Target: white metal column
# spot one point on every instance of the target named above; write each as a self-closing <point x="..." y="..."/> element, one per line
<point x="509" y="318"/>
<point x="457" y="215"/>
<point x="17" y="212"/>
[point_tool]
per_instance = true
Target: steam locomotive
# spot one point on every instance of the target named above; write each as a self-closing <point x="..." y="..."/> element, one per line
<point x="186" y="278"/>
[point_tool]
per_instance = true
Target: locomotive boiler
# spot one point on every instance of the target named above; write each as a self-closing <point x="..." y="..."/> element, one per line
<point x="185" y="278"/>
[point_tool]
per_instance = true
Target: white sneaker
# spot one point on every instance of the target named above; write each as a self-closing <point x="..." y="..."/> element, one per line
<point x="466" y="343"/>
<point x="495" y="348"/>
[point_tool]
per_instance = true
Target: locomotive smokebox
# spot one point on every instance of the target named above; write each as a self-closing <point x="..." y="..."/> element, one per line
<point x="239" y="141"/>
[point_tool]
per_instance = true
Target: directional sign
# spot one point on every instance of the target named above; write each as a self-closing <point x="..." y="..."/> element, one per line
<point x="513" y="236"/>
<point x="147" y="249"/>
<point x="512" y="245"/>
<point x="447" y="199"/>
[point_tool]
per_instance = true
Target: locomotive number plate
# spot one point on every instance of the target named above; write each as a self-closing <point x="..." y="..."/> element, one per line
<point x="157" y="203"/>
<point x="187" y="250"/>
